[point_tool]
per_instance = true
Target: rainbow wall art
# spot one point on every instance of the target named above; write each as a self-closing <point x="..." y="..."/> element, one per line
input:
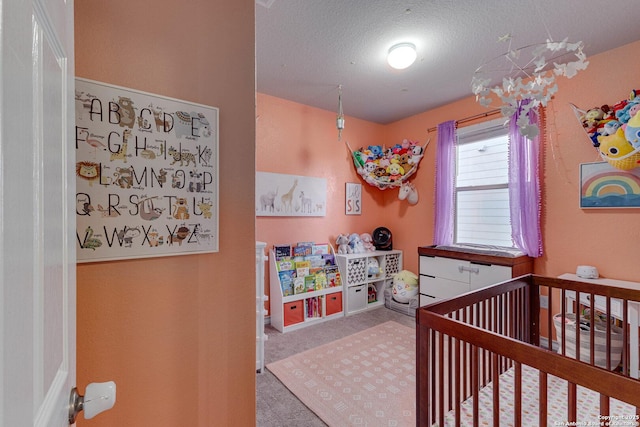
<point x="603" y="186"/>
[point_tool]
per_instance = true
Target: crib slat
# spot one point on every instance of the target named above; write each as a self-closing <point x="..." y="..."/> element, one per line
<point x="625" y="339"/>
<point x="496" y="390"/>
<point x="572" y="402"/>
<point x="577" y="333"/>
<point x="608" y="346"/>
<point x="604" y="405"/>
<point x="592" y="330"/>
<point x="456" y="380"/>
<point x="542" y="391"/>
<point x="549" y="317"/>
<point x="440" y="371"/>
<point x="433" y="379"/>
<point x="517" y="404"/>
<point x="474" y="384"/>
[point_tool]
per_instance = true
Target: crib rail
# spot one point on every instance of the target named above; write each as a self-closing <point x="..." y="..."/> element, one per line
<point x="466" y="343"/>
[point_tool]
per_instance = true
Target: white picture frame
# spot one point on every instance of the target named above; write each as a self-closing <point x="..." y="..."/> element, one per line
<point x="353" y="198"/>
<point x="147" y="174"/>
<point x="290" y="195"/>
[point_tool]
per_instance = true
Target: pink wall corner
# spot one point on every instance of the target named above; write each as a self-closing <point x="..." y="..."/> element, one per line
<point x="172" y="331"/>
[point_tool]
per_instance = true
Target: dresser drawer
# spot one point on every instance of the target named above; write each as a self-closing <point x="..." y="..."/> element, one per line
<point x="485" y="275"/>
<point x="446" y="268"/>
<point x="441" y="288"/>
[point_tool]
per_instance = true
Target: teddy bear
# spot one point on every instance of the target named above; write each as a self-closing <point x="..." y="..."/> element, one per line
<point x="405" y="161"/>
<point x="343" y="244"/>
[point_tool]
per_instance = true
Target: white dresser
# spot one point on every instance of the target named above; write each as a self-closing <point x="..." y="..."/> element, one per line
<point x="449" y="273"/>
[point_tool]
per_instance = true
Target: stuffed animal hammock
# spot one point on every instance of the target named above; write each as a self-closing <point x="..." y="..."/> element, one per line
<point x="388" y="167"/>
<point x="615" y="130"/>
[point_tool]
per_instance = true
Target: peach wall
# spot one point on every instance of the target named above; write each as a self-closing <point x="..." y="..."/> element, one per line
<point x="572" y="236"/>
<point x="289" y="134"/>
<point x="297" y="139"/>
<point x="172" y="331"/>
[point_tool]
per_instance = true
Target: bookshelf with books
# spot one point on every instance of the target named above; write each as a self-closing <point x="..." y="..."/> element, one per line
<point x="365" y="277"/>
<point x="305" y="284"/>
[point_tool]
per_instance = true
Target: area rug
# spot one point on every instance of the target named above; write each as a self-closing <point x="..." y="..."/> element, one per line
<point x="365" y="379"/>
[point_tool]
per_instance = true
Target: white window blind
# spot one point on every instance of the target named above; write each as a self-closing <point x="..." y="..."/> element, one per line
<point x="482" y="185"/>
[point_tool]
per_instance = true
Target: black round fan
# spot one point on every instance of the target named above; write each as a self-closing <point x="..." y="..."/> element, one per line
<point x="382" y="239"/>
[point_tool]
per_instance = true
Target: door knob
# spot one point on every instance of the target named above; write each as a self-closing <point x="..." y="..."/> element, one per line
<point x="98" y="397"/>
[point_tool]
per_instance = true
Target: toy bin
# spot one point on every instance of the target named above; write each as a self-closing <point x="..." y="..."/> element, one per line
<point x="334" y="303"/>
<point x="293" y="312"/>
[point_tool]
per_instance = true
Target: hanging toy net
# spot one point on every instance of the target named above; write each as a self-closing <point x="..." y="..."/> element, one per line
<point x="614" y="130"/>
<point x="384" y="167"/>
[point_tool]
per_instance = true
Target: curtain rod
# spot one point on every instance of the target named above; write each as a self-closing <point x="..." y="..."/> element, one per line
<point x="469" y="119"/>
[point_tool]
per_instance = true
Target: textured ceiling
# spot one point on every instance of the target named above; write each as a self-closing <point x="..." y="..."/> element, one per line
<point x="306" y="48"/>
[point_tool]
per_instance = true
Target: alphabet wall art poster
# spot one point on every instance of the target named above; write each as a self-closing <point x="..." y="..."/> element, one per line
<point x="146" y="174"/>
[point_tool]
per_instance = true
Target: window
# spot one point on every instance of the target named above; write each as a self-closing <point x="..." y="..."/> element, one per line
<point x="482" y="185"/>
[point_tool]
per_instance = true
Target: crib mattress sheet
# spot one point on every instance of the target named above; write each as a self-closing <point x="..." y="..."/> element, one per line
<point x="557" y="396"/>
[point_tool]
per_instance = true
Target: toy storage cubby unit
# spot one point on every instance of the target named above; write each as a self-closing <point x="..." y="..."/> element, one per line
<point x="364" y="286"/>
<point x="300" y="310"/>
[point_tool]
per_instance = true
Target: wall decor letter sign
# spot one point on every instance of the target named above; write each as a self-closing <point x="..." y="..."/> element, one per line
<point x="147" y="174"/>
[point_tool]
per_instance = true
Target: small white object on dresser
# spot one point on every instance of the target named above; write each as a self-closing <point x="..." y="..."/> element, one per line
<point x="448" y="273"/>
<point x="365" y="276"/>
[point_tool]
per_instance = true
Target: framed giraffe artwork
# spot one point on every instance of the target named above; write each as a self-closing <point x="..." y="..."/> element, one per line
<point x="290" y="195"/>
<point x="146" y="174"/>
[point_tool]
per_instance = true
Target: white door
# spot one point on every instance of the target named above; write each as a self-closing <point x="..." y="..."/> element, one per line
<point x="37" y="217"/>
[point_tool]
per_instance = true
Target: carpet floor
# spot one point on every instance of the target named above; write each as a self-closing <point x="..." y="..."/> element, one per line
<point x="276" y="406"/>
<point x="364" y="379"/>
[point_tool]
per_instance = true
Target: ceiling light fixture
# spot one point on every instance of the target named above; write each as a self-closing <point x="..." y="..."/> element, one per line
<point x="402" y="55"/>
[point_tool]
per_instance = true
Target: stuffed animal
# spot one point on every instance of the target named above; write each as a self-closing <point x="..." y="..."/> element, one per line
<point x="343" y="244"/>
<point x="592" y="117"/>
<point x="376" y="151"/>
<point x="367" y="242"/>
<point x="395" y="171"/>
<point x="405" y="286"/>
<point x="355" y="244"/>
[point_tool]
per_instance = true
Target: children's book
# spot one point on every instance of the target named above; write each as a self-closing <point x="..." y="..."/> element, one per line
<point x="285" y="265"/>
<point x="298" y="285"/>
<point x="303" y="249"/>
<point x="329" y="259"/>
<point x="320" y="249"/>
<point x="282" y="251"/>
<point x="302" y="268"/>
<point x="286" y="282"/>
<point x="320" y="280"/>
<point x="315" y="260"/>
<point x="333" y="275"/>
<point x="310" y="283"/>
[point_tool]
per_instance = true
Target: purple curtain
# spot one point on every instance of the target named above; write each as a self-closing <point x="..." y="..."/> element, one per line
<point x="445" y="182"/>
<point x="524" y="184"/>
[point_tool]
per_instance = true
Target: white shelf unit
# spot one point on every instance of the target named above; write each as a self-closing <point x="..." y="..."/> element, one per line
<point x="261" y="298"/>
<point x="360" y="285"/>
<point x="289" y="313"/>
